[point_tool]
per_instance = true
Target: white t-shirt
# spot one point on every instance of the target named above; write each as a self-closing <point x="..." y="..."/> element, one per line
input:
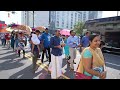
<point x="35" y="39"/>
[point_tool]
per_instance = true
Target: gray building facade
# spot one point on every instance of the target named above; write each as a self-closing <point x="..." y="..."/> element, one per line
<point x="58" y="19"/>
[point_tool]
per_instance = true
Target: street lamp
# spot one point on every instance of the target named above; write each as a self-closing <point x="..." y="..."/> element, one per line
<point x="117" y="13"/>
<point x="33" y="19"/>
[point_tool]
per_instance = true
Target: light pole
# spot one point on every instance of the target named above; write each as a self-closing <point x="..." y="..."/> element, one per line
<point x="32" y="13"/>
<point x="117" y="13"/>
<point x="33" y="19"/>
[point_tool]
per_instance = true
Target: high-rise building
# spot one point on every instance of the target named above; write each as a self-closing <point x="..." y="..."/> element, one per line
<point x="40" y="18"/>
<point x="95" y="15"/>
<point x="65" y="19"/>
<point x="58" y="19"/>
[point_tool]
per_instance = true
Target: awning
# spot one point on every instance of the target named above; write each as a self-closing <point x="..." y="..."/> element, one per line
<point x="3" y="31"/>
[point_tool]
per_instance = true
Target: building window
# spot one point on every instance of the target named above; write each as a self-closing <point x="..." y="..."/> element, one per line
<point x="79" y="16"/>
<point x="71" y="22"/>
<point x="75" y="17"/>
<point x="58" y="24"/>
<point x="67" y="26"/>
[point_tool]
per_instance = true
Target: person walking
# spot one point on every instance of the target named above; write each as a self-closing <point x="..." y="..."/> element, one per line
<point x="35" y="50"/>
<point x="66" y="48"/>
<point x="3" y="39"/>
<point x="21" y="44"/>
<point x="85" y="40"/>
<point x="7" y="37"/>
<point x="73" y="43"/>
<point x="56" y="55"/>
<point x="46" y="44"/>
<point x="92" y="62"/>
<point x="12" y="39"/>
<point x="16" y="42"/>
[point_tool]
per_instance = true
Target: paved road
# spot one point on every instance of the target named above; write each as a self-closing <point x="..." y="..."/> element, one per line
<point x="113" y="65"/>
<point x="14" y="67"/>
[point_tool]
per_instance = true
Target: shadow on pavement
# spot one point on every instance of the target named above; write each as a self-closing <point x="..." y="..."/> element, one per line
<point x="11" y="64"/>
<point x="68" y="72"/>
<point x="44" y="74"/>
<point x="27" y="73"/>
<point x="7" y="52"/>
<point x="11" y="56"/>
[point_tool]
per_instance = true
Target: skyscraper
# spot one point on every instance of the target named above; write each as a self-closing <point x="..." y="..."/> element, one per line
<point x="95" y="15"/>
<point x="58" y="19"/>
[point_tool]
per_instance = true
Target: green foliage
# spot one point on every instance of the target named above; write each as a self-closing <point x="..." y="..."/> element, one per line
<point x="78" y="27"/>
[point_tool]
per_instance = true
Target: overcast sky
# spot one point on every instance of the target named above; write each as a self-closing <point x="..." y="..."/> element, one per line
<point x="109" y="13"/>
<point x="17" y="17"/>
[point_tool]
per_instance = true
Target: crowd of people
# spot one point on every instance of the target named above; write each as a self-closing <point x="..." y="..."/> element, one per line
<point x="91" y="61"/>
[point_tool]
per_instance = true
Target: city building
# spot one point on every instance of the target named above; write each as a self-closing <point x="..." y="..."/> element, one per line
<point x="94" y="15"/>
<point x="57" y="19"/>
<point x="67" y="19"/>
<point x="41" y="18"/>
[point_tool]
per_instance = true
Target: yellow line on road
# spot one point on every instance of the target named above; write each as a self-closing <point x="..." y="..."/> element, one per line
<point x="43" y="65"/>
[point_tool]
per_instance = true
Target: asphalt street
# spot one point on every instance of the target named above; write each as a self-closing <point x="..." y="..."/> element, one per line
<point x="14" y="67"/>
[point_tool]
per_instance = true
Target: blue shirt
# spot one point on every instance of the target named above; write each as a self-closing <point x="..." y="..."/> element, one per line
<point x="85" y="41"/>
<point x="46" y="40"/>
<point x="71" y="40"/>
<point x="55" y="41"/>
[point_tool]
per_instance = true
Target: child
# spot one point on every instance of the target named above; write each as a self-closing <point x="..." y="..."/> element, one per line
<point x="35" y="41"/>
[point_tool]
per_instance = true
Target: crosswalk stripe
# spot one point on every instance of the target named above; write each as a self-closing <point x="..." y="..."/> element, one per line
<point x="43" y="65"/>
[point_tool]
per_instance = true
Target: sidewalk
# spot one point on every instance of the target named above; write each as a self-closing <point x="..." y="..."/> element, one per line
<point x="14" y="67"/>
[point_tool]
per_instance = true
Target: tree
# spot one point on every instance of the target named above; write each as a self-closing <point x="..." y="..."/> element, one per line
<point x="78" y="27"/>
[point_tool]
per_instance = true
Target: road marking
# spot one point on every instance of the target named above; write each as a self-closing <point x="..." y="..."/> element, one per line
<point x="112" y="64"/>
<point x="43" y="65"/>
<point x="112" y="54"/>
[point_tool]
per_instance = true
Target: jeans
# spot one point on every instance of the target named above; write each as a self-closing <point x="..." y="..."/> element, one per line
<point x="3" y="41"/>
<point x="45" y="51"/>
<point x="16" y="43"/>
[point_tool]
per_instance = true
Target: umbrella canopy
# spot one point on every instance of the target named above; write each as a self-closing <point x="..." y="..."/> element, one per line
<point x="41" y="28"/>
<point x="65" y="32"/>
<point x="24" y="28"/>
<point x="3" y="31"/>
<point x="9" y="29"/>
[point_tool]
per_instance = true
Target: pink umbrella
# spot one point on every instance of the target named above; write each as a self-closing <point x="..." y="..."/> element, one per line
<point x="65" y="32"/>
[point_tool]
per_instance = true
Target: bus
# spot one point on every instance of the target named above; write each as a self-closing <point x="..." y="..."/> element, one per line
<point x="109" y="29"/>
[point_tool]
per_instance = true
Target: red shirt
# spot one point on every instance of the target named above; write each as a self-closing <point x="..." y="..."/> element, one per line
<point x="7" y="36"/>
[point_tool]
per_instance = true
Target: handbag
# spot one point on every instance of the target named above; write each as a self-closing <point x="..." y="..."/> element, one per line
<point x="81" y="76"/>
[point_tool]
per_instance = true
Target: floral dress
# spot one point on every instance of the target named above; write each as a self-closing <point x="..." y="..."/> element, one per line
<point x="21" y="45"/>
